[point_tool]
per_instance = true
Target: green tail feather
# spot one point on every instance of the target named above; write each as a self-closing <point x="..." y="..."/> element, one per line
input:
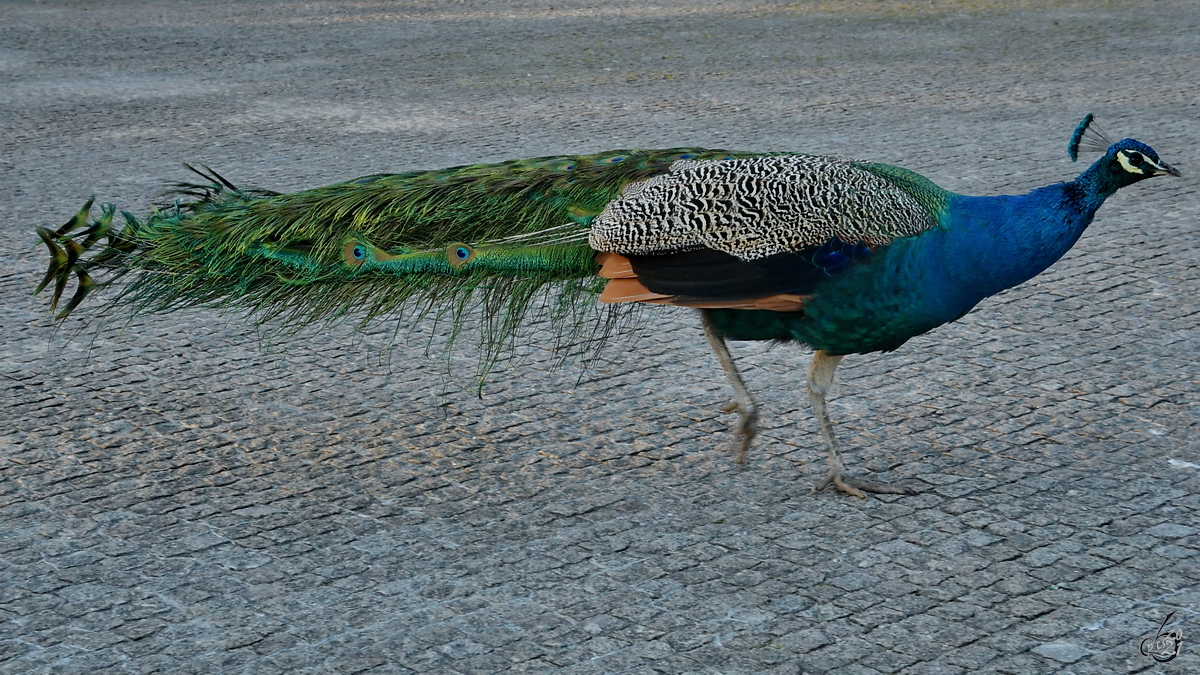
<point x="503" y="238"/>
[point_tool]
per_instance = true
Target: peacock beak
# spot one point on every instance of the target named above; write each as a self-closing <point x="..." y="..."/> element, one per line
<point x="1164" y="169"/>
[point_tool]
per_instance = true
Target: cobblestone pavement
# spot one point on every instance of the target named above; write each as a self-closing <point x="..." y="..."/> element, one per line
<point x="178" y="499"/>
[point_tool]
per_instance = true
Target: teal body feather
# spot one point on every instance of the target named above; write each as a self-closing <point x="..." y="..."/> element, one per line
<point x="983" y="245"/>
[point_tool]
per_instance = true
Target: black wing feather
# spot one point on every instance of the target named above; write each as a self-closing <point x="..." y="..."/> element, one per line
<point x="708" y="275"/>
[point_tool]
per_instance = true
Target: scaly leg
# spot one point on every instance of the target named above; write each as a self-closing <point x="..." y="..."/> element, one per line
<point x="747" y="428"/>
<point x="820" y="382"/>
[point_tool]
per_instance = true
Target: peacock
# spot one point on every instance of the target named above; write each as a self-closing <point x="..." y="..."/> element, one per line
<point x="845" y="256"/>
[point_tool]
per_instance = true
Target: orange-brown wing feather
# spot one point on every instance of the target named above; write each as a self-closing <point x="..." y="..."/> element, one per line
<point x="623" y="286"/>
<point x="615" y="266"/>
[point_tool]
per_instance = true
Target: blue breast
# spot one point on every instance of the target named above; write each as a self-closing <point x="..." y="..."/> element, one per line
<point x="982" y="246"/>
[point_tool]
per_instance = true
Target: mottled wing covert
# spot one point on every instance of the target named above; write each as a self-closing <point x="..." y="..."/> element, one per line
<point x="757" y="207"/>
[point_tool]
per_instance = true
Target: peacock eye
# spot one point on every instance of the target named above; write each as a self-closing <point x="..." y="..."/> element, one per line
<point x="1136" y="159"/>
<point x="459" y="254"/>
<point x="358" y="253"/>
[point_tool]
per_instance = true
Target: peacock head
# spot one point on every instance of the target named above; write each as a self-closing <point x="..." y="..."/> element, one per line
<point x="1138" y="160"/>
<point x="1124" y="162"/>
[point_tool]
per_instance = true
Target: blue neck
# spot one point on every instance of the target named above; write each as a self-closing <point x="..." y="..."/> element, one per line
<point x="1099" y="182"/>
<point x="998" y="242"/>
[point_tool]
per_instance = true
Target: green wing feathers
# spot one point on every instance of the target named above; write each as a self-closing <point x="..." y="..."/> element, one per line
<point x="499" y="237"/>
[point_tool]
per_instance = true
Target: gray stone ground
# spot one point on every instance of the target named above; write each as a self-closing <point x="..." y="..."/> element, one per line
<point x="177" y="499"/>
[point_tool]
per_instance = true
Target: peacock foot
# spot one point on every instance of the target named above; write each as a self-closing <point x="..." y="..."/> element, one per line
<point x="859" y="488"/>
<point x="746" y="430"/>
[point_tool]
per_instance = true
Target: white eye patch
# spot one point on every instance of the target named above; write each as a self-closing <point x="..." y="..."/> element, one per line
<point x="1124" y="160"/>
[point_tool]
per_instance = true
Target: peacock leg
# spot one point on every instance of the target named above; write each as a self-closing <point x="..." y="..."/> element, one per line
<point x="747" y="428"/>
<point x="820" y="382"/>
